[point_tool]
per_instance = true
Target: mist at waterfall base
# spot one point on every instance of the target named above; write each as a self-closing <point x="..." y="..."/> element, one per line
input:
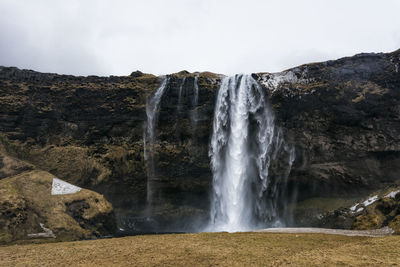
<point x="245" y="144"/>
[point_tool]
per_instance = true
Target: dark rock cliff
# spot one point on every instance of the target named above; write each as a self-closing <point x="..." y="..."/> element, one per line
<point x="342" y="116"/>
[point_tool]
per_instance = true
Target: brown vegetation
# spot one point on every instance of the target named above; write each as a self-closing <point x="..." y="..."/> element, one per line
<point x="26" y="203"/>
<point x="210" y="249"/>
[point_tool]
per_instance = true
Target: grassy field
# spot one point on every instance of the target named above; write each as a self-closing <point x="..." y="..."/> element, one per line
<point x="210" y="249"/>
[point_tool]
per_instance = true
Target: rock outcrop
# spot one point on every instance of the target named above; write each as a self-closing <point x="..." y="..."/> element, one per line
<point x="383" y="212"/>
<point x="342" y="116"/>
<point x="30" y="213"/>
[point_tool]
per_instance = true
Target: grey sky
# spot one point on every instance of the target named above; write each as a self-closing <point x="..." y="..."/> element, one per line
<point x="85" y="37"/>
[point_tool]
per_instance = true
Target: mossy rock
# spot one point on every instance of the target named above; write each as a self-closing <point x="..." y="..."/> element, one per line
<point x="384" y="212"/>
<point x="367" y="222"/>
<point x="395" y="224"/>
<point x="26" y="202"/>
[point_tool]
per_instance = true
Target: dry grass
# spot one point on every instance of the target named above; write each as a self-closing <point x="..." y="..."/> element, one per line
<point x="205" y="249"/>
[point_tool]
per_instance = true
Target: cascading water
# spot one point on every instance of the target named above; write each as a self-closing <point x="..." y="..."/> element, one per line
<point x="195" y="102"/>
<point x="179" y="107"/>
<point x="196" y="91"/>
<point x="152" y="111"/>
<point x="152" y="107"/>
<point x="245" y="141"/>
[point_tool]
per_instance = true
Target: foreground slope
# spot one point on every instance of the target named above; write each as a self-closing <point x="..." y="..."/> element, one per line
<point x="206" y="249"/>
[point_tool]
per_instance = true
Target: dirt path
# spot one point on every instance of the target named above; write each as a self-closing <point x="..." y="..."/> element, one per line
<point x="385" y="231"/>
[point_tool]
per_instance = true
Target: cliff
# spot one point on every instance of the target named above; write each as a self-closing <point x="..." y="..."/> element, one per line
<point x="342" y="117"/>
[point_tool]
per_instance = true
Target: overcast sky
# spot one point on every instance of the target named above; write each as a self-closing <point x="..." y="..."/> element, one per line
<point x="115" y="37"/>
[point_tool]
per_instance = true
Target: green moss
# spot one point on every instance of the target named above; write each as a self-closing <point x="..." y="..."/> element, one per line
<point x="395" y="224"/>
<point x="5" y="238"/>
<point x="367" y="222"/>
<point x="364" y="89"/>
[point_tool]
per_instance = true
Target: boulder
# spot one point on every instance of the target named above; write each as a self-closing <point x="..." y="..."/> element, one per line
<point x="28" y="211"/>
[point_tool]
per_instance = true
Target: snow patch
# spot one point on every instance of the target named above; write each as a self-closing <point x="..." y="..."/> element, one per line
<point x="60" y="187"/>
<point x="360" y="209"/>
<point x="275" y="79"/>
<point x="393" y="194"/>
<point x="353" y="208"/>
<point x="370" y="200"/>
<point x="272" y="81"/>
<point x="46" y="233"/>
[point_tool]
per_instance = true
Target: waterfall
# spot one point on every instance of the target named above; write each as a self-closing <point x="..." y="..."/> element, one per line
<point x="244" y="144"/>
<point x="152" y="111"/>
<point x="152" y="108"/>
<point x="196" y="91"/>
<point x="179" y="107"/>
<point x="195" y="103"/>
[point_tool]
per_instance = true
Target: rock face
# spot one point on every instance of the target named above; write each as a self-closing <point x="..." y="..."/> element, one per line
<point x="342" y="116"/>
<point x="28" y="211"/>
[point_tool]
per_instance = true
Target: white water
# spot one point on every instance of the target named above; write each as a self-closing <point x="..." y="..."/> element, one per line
<point x="152" y="111"/>
<point x="195" y="103"/>
<point x="196" y="91"/>
<point x="152" y="108"/>
<point x="179" y="107"/>
<point x="244" y="143"/>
